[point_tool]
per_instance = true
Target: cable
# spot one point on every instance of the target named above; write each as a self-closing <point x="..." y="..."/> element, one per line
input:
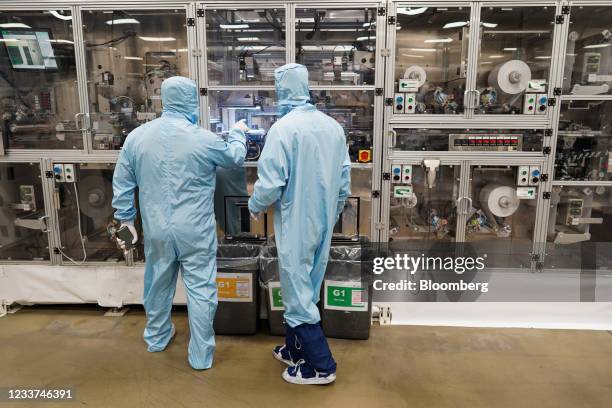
<point x="76" y="193"/>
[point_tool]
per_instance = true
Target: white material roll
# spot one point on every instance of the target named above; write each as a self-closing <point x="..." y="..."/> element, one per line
<point x="510" y="77"/>
<point x="500" y="200"/>
<point x="416" y="72"/>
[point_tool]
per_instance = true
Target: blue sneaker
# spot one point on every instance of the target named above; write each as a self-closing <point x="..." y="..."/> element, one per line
<point x="282" y="354"/>
<point x="302" y="374"/>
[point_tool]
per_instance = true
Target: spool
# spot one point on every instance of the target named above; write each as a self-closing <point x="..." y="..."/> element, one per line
<point x="499" y="200"/>
<point x="510" y="77"/>
<point x="416" y="72"/>
<point x="95" y="195"/>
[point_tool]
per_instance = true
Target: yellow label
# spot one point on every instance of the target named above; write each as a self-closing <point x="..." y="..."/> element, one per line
<point x="234" y="287"/>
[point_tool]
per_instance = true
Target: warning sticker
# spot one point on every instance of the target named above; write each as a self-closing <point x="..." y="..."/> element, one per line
<point x="276" y="298"/>
<point x="235" y="287"/>
<point x="345" y="296"/>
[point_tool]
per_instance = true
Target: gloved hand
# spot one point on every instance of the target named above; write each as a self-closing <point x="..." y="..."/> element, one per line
<point x="255" y="216"/>
<point x="242" y="126"/>
<point x="130" y="226"/>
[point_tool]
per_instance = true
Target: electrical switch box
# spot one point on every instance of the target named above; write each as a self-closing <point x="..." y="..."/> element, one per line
<point x="58" y="172"/>
<point x="522" y="177"/>
<point x="541" y="104"/>
<point x="534" y="175"/>
<point x="399" y="103"/>
<point x="530" y="104"/>
<point x="396" y="173"/>
<point x="410" y="103"/>
<point x="407" y="174"/>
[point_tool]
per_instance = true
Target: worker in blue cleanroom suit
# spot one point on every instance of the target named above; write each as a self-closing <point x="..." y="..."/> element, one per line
<point x="304" y="170"/>
<point x="172" y="162"/>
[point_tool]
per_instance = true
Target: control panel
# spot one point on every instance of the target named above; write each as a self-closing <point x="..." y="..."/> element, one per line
<point x="485" y="142"/>
<point x="64" y="172"/>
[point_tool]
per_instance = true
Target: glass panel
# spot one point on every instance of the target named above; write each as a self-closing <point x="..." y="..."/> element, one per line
<point x="422" y="207"/>
<point x="128" y="55"/>
<point x="338" y="46"/>
<point x="38" y="92"/>
<point x="501" y="218"/>
<point x="588" y="69"/>
<point x="85" y="211"/>
<point x="462" y="140"/>
<point x="256" y="107"/>
<point x="239" y="182"/>
<point x="354" y="111"/>
<point x="431" y="59"/>
<point x="22" y="213"/>
<point x="584" y="143"/>
<point x="244" y="46"/>
<point x="361" y="186"/>
<point x="580" y="228"/>
<point x="233" y="188"/>
<point x="514" y="62"/>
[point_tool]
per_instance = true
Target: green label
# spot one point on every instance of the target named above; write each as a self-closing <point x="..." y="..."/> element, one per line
<point x="277" y="298"/>
<point x="345" y="296"/>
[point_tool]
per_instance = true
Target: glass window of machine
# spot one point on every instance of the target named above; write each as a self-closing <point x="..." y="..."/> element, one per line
<point x="244" y="46"/>
<point x="514" y="60"/>
<point x="38" y="93"/>
<point x="128" y="55"/>
<point x="430" y="59"/>
<point x="337" y="45"/>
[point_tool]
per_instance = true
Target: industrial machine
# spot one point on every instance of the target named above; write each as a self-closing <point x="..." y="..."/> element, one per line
<point x="126" y="68"/>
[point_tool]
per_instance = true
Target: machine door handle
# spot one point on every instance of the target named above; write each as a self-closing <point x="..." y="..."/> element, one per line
<point x="83" y="123"/>
<point x="393" y="139"/>
<point x="476" y="99"/>
<point x="466" y="211"/>
<point x="466" y="99"/>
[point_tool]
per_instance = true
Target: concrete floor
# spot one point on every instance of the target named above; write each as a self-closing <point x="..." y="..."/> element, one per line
<point x="105" y="360"/>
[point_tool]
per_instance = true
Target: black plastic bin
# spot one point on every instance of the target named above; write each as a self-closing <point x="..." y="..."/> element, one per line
<point x="237" y="277"/>
<point x="346" y="295"/>
<point x="269" y="279"/>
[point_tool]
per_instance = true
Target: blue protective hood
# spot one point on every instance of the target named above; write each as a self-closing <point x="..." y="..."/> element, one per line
<point x="291" y="82"/>
<point x="180" y="96"/>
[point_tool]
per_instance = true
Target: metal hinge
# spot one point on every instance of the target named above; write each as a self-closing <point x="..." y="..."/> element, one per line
<point x="552" y="101"/>
<point x="385" y="52"/>
<point x="386" y="176"/>
<point x="203" y="91"/>
<point x="379" y="226"/>
<point x="559" y="19"/>
<point x="546" y="150"/>
<point x="56" y="251"/>
<point x="382" y="11"/>
<point x="544" y="177"/>
<point x="548" y="132"/>
<point x="546" y="195"/>
<point x="389" y="101"/>
<point x="375" y="193"/>
<point x="200" y="13"/>
<point x="391" y="20"/>
<point x="379" y="91"/>
<point x="191" y="22"/>
<point x="49" y="174"/>
<point x="557" y="91"/>
<point x="565" y="10"/>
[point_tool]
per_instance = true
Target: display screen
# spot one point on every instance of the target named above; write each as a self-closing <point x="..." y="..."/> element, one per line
<point x="29" y="49"/>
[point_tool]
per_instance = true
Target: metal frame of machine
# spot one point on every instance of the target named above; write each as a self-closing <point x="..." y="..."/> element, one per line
<point x="384" y="124"/>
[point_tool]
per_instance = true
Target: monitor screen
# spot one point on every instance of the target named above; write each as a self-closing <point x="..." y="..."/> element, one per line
<point x="29" y="49"/>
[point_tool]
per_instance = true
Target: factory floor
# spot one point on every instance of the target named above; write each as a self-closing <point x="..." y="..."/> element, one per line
<point x="105" y="362"/>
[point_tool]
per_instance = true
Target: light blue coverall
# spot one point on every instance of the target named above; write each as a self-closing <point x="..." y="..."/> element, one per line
<point x="304" y="170"/>
<point x="172" y="162"/>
